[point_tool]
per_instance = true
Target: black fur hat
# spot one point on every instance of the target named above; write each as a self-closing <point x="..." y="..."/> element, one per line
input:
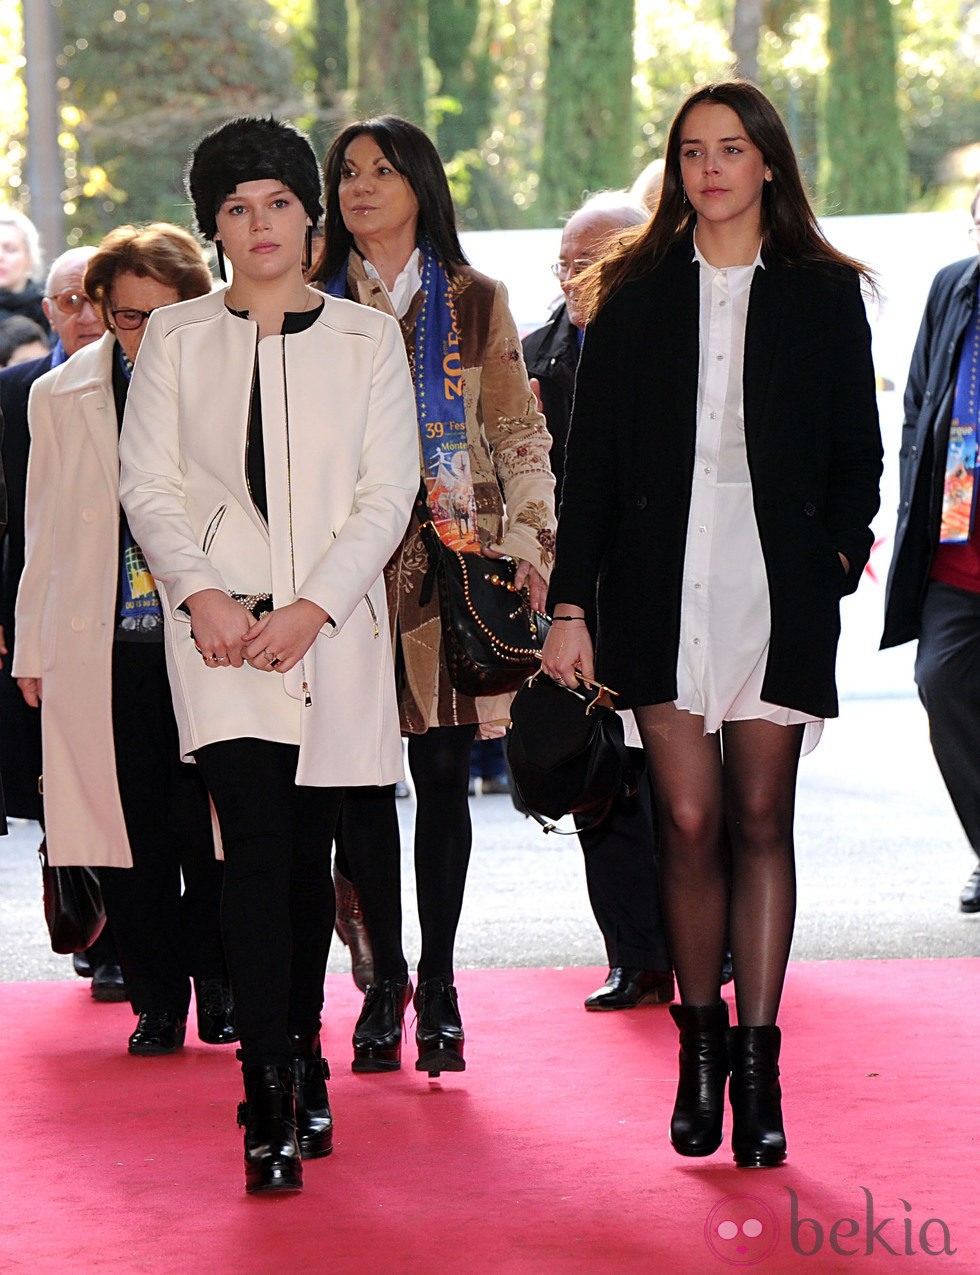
<point x="251" y="149"/>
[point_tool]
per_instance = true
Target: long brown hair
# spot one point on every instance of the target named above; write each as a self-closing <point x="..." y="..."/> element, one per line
<point x="790" y="232"/>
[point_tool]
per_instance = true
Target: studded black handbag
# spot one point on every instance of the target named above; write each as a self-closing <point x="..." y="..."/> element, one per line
<point x="491" y="637"/>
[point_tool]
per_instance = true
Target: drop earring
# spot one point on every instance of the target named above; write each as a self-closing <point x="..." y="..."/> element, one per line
<point x="220" y="252"/>
<point x="308" y="255"/>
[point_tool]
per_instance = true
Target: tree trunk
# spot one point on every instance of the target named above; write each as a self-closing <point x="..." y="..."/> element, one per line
<point x="746" y="27"/>
<point x="863" y="164"/>
<point x="388" y="49"/>
<point x="588" y="104"/>
<point x="45" y="170"/>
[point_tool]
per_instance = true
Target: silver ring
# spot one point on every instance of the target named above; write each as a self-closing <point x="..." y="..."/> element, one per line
<point x="274" y="660"/>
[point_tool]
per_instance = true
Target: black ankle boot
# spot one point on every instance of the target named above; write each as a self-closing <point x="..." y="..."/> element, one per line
<point x="758" y="1139"/>
<point x="268" y="1116"/>
<point x="377" y="1037"/>
<point x="695" y="1126"/>
<point x="439" y="1031"/>
<point x="314" y="1123"/>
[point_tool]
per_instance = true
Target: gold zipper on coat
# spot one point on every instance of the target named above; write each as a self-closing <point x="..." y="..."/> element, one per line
<point x="307" y="697"/>
<point x="212" y="528"/>
<point x="374" y="615"/>
<point x="248" y="423"/>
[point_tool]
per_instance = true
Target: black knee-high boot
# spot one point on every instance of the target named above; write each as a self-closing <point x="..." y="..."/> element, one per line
<point x="695" y="1126"/>
<point x="268" y="1116"/>
<point x="314" y="1122"/>
<point x="758" y="1139"/>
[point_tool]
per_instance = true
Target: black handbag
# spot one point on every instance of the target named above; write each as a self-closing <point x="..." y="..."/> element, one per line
<point x="73" y="909"/>
<point x="491" y="637"/>
<point x="567" y="750"/>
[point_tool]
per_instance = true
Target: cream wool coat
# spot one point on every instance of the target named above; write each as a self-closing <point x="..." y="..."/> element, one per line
<point x="341" y="462"/>
<point x="66" y="603"/>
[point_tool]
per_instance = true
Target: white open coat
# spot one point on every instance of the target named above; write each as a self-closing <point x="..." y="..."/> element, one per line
<point x="341" y="462"/>
<point x="66" y="603"/>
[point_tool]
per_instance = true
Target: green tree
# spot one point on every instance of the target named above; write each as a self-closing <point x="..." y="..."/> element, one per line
<point x="863" y="166"/>
<point x="388" y="50"/>
<point x="141" y="81"/>
<point x="939" y="99"/>
<point x="330" y="35"/>
<point x="588" y="114"/>
<point x="459" y="47"/>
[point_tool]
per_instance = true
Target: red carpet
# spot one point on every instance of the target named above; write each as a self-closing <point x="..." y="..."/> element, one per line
<point x="548" y="1155"/>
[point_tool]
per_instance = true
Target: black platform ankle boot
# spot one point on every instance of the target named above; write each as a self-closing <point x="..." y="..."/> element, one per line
<point x="377" y="1038"/>
<point x="695" y="1125"/>
<point x="758" y="1139"/>
<point x="439" y="1031"/>
<point x="268" y="1116"/>
<point x="314" y="1123"/>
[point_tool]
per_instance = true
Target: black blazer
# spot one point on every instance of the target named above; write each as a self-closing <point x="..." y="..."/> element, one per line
<point x="814" y="452"/>
<point x="15" y="390"/>
<point x="925" y="437"/>
<point x="551" y="354"/>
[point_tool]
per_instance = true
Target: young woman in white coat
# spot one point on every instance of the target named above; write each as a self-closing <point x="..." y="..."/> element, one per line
<point x="722" y="473"/>
<point x="269" y="464"/>
<point x="90" y="653"/>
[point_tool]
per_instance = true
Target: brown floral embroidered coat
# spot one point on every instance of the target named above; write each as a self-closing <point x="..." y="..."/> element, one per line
<point x="513" y="484"/>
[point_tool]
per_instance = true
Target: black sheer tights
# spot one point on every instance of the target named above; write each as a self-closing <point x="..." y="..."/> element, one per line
<point x="439" y="762"/>
<point x="727" y="867"/>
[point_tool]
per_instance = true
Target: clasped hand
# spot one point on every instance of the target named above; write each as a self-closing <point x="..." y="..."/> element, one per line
<point x="228" y="636"/>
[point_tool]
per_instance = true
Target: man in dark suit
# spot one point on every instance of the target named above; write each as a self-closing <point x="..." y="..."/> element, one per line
<point x="620" y="861"/>
<point x="74" y="323"/>
<point x="933" y="590"/>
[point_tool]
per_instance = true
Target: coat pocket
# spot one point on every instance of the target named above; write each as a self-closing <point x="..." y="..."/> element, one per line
<point x="213" y="525"/>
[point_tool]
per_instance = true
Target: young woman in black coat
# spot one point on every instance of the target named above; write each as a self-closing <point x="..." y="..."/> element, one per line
<point x="722" y="471"/>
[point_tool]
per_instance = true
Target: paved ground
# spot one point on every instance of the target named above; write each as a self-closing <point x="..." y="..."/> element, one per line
<point x="881" y="857"/>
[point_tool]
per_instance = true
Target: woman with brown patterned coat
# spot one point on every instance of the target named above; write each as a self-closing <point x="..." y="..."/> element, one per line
<point x="391" y="243"/>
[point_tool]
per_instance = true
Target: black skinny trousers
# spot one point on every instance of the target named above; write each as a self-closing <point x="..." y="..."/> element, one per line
<point x="440" y="764"/>
<point x="277" y="906"/>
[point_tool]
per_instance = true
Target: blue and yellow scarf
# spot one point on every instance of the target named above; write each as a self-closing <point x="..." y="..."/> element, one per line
<point x="440" y="405"/>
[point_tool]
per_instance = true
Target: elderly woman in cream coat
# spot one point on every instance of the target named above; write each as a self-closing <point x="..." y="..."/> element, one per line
<point x="269" y="464"/>
<point x="90" y="646"/>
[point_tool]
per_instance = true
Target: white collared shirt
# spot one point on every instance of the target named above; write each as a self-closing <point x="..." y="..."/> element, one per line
<point x="724" y="640"/>
<point x="405" y="286"/>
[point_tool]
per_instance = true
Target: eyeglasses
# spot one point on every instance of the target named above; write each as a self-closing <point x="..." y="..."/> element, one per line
<point x="566" y="269"/>
<point x="130" y="320"/>
<point x="69" y="302"/>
